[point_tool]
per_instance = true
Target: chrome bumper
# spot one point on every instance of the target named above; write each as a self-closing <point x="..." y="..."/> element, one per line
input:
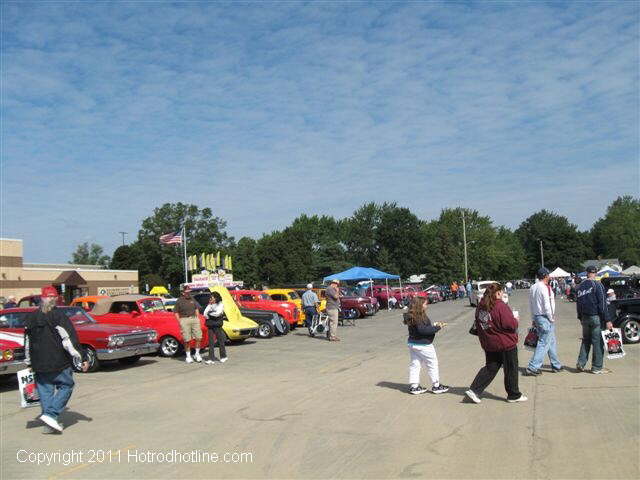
<point x="7" y="368"/>
<point x="129" y="351"/>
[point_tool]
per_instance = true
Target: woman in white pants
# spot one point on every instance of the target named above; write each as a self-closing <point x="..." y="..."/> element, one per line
<point x="420" y="342"/>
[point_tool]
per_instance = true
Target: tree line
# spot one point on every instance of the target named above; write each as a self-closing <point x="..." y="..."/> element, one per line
<point x="385" y="236"/>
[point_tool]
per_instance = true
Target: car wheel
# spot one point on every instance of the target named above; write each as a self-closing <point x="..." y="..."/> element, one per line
<point x="287" y="326"/>
<point x="92" y="359"/>
<point x="169" y="346"/>
<point x="129" y="360"/>
<point x="265" y="330"/>
<point x="630" y="330"/>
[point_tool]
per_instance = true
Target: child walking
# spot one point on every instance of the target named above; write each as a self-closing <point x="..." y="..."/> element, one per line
<point x="421" y="335"/>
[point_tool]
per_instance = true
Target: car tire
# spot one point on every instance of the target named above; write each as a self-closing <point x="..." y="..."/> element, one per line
<point x="287" y="326"/>
<point x="630" y="330"/>
<point x="265" y="330"/>
<point x="169" y="346"/>
<point x="92" y="358"/>
<point x="129" y="360"/>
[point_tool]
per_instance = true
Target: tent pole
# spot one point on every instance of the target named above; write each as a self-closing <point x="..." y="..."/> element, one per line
<point x="386" y="280"/>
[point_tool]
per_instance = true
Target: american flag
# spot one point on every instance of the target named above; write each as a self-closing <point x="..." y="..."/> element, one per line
<point x="173" y="238"/>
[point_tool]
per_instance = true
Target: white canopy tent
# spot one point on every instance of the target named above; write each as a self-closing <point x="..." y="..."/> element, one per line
<point x="632" y="270"/>
<point x="559" y="273"/>
<point x="606" y="269"/>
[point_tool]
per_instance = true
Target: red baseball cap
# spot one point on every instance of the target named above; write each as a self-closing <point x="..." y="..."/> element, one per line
<point x="48" y="291"/>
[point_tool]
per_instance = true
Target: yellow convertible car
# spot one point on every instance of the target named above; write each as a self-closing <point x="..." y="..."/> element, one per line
<point x="237" y="327"/>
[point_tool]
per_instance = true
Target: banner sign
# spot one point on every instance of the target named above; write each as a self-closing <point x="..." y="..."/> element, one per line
<point x="613" y="343"/>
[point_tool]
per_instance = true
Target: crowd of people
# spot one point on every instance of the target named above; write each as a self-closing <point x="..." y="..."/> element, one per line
<point x="497" y="329"/>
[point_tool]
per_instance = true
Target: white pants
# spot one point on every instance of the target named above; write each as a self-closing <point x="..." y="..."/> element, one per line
<point x="423" y="354"/>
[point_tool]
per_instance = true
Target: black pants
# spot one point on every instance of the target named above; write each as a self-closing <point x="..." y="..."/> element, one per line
<point x="221" y="337"/>
<point x="494" y="360"/>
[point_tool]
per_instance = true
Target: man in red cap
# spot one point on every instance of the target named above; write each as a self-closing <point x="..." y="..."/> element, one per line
<point x="51" y="348"/>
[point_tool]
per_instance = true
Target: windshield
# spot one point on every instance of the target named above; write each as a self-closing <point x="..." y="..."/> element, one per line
<point x="294" y="296"/>
<point x="77" y="315"/>
<point x="151" y="305"/>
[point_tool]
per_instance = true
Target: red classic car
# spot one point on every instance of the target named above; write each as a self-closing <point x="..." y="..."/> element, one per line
<point x="145" y="312"/>
<point x="351" y="306"/>
<point x="382" y="293"/>
<point x="102" y="342"/>
<point x="262" y="301"/>
<point x="11" y="352"/>
<point x="361" y="293"/>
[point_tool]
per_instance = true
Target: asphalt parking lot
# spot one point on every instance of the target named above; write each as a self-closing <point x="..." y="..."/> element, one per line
<point x="296" y="407"/>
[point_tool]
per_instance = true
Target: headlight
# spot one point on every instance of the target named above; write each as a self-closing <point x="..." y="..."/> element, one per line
<point x="111" y="341"/>
<point x="152" y="336"/>
<point x="7" y="355"/>
<point x="119" y="341"/>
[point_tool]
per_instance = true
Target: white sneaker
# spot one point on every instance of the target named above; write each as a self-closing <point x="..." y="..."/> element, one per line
<point x="197" y="358"/>
<point x="209" y="362"/>
<point x="224" y="359"/>
<point x="188" y="359"/>
<point x="521" y="398"/>
<point x="52" y="422"/>
<point x="471" y="395"/>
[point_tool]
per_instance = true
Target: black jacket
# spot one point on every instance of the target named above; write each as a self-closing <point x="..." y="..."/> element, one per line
<point x="422" y="333"/>
<point x="45" y="344"/>
<point x="591" y="300"/>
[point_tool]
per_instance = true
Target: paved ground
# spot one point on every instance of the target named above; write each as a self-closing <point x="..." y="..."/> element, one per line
<point x="307" y="408"/>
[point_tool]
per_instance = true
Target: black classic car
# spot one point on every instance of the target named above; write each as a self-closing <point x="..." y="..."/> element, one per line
<point x="627" y="318"/>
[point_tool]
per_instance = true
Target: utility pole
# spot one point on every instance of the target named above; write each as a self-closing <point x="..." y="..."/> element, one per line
<point x="123" y="234"/>
<point x="464" y="240"/>
<point x="541" y="254"/>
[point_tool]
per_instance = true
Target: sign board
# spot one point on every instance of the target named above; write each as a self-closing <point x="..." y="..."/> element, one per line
<point x="27" y="387"/>
<point x="112" y="291"/>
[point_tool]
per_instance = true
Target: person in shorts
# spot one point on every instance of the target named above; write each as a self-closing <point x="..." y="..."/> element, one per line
<point x="186" y="310"/>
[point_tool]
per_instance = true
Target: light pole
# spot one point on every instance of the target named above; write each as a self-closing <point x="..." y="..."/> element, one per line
<point x="464" y="240"/>
<point x="541" y="254"/>
<point x="123" y="234"/>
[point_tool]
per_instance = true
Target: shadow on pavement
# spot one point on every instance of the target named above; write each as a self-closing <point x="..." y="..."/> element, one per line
<point x="403" y="387"/>
<point x="67" y="418"/>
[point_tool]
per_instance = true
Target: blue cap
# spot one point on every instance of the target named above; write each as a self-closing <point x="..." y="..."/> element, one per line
<point x="543" y="272"/>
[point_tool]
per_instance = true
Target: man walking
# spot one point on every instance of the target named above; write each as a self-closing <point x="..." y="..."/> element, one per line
<point x="543" y="306"/>
<point x="50" y="343"/>
<point x="333" y="307"/>
<point x="310" y="304"/>
<point x="185" y="310"/>
<point x="592" y="312"/>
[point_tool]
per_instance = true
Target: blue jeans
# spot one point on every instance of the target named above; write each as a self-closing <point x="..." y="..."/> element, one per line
<point x="591" y="336"/>
<point x="309" y="312"/>
<point x="55" y="389"/>
<point x="546" y="343"/>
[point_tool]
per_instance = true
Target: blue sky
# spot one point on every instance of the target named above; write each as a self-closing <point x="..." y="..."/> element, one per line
<point x="263" y="111"/>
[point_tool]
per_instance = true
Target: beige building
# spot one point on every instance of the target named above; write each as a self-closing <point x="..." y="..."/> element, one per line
<point x="22" y="279"/>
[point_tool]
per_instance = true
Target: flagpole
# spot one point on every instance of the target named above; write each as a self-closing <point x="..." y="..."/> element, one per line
<point x="184" y="243"/>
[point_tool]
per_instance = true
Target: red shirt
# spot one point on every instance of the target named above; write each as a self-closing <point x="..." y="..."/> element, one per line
<point x="498" y="329"/>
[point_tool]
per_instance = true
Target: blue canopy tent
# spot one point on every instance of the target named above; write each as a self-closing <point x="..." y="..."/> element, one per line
<point x="364" y="273"/>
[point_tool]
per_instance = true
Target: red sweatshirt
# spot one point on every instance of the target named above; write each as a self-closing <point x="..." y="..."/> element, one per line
<point x="498" y="329"/>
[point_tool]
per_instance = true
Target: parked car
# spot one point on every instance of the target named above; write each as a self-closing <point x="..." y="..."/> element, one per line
<point x="11" y="352"/>
<point x="433" y="294"/>
<point x="259" y="300"/>
<point x="269" y="323"/>
<point x="288" y="295"/>
<point x="624" y="286"/>
<point x="86" y="302"/>
<point x="628" y="319"/>
<point x="101" y="341"/>
<point x="382" y="293"/>
<point x="477" y="291"/>
<point x="145" y="311"/>
<point x="355" y="306"/>
<point x="34" y="301"/>
<point x="361" y="292"/>
<point x="169" y="303"/>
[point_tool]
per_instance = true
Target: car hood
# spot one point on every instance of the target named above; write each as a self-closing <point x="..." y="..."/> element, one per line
<point x="108" y="328"/>
<point x="11" y="340"/>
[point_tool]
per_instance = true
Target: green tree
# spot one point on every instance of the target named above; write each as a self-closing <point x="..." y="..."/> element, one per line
<point x="617" y="234"/>
<point x="245" y="262"/>
<point x="151" y="280"/>
<point x="563" y="244"/>
<point x="126" y="257"/>
<point x="359" y="234"/>
<point x="86" y="254"/>
<point x="205" y="234"/>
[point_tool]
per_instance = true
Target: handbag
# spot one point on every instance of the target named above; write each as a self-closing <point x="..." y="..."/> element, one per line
<point x="531" y="339"/>
<point x="473" y="330"/>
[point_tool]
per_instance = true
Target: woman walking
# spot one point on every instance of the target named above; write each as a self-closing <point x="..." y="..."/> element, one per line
<point x="214" y="318"/>
<point x="421" y="335"/>
<point x="498" y="332"/>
